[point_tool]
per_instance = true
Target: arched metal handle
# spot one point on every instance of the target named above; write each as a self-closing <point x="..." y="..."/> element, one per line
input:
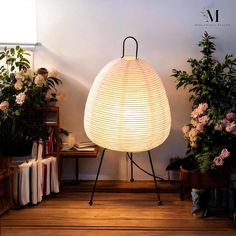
<point x="130" y="37"/>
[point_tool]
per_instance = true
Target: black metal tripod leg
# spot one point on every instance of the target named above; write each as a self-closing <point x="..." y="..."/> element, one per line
<point x="95" y="184"/>
<point x="131" y="168"/>
<point x="155" y="181"/>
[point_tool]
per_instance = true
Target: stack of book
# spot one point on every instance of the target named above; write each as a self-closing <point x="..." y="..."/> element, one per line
<point x="85" y="146"/>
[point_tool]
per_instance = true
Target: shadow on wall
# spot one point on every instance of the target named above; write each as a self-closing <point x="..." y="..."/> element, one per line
<point x="72" y="108"/>
<point x="74" y="86"/>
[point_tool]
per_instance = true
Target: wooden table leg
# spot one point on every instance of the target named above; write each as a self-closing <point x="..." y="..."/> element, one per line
<point x="77" y="169"/>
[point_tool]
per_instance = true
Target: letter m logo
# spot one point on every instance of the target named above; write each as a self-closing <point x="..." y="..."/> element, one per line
<point x="212" y="17"/>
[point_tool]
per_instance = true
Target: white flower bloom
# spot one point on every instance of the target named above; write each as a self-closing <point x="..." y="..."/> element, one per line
<point x="39" y="80"/>
<point x="18" y="85"/>
<point x="20" y="98"/>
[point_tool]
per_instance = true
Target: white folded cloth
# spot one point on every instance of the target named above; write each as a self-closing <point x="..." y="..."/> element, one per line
<point x="34" y="182"/>
<point x="40" y="180"/>
<point x="47" y="162"/>
<point x="40" y="150"/>
<point x="35" y="178"/>
<point x="34" y="153"/>
<point x="24" y="186"/>
<point x="54" y="175"/>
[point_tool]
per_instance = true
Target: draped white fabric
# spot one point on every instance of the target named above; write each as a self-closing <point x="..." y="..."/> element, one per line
<point x="24" y="180"/>
<point x="34" y="184"/>
<point x="54" y="175"/>
<point x="127" y="107"/>
<point x="34" y="179"/>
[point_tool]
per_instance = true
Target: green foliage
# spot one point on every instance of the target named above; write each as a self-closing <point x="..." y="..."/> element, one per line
<point x="212" y="84"/>
<point x="210" y="79"/>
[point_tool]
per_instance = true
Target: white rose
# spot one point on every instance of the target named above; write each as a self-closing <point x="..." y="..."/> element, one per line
<point x="39" y="80"/>
<point x="20" y="98"/>
<point x="18" y="85"/>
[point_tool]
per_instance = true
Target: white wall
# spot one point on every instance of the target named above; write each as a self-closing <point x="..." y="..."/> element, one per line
<point x="78" y="37"/>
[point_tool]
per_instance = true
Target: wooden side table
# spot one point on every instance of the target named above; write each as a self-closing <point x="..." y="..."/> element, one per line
<point x="73" y="153"/>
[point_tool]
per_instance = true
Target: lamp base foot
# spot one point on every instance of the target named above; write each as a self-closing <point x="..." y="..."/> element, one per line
<point x="159" y="203"/>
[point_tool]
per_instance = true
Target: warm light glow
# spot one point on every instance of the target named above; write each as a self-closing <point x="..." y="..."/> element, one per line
<point x="18" y="22"/>
<point x="127" y="108"/>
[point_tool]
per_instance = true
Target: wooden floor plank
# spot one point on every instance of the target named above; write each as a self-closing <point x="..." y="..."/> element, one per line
<point x="113" y="213"/>
<point x="102" y="232"/>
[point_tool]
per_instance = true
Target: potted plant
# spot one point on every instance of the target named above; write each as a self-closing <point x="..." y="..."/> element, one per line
<point x="22" y="93"/>
<point x="211" y="132"/>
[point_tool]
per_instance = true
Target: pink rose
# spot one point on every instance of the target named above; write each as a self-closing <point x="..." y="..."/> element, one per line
<point x="223" y="123"/>
<point x="231" y="116"/>
<point x="200" y="127"/>
<point x="194" y="113"/>
<point x="203" y="119"/>
<point x="224" y="153"/>
<point x="218" y="161"/>
<point x="233" y="131"/>
<point x="4" y="106"/>
<point x="230" y="127"/>
<point x="202" y="107"/>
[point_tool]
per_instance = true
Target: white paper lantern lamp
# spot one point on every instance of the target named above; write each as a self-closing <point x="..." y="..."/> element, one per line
<point x="127" y="107"/>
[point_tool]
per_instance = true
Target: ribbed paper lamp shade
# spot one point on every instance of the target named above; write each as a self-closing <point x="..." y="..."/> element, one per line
<point x="127" y="108"/>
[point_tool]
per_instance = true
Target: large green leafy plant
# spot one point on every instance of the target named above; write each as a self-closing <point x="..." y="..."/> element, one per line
<point x="211" y="133"/>
<point x="22" y="93"/>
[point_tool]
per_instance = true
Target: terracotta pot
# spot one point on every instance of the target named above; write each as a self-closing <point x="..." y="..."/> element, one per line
<point x="194" y="179"/>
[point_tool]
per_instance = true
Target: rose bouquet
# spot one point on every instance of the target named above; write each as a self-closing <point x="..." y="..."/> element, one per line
<point x="22" y="93"/>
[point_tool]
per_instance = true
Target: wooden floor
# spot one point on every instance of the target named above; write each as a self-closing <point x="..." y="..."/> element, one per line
<point x="126" y="211"/>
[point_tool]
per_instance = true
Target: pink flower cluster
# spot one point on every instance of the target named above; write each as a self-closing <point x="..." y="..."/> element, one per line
<point x="4" y="106"/>
<point x="228" y="124"/>
<point x="198" y="121"/>
<point x="202" y="107"/>
<point x="219" y="160"/>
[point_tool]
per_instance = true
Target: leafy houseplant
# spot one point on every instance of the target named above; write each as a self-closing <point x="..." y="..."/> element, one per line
<point x="22" y="93"/>
<point x="211" y="133"/>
